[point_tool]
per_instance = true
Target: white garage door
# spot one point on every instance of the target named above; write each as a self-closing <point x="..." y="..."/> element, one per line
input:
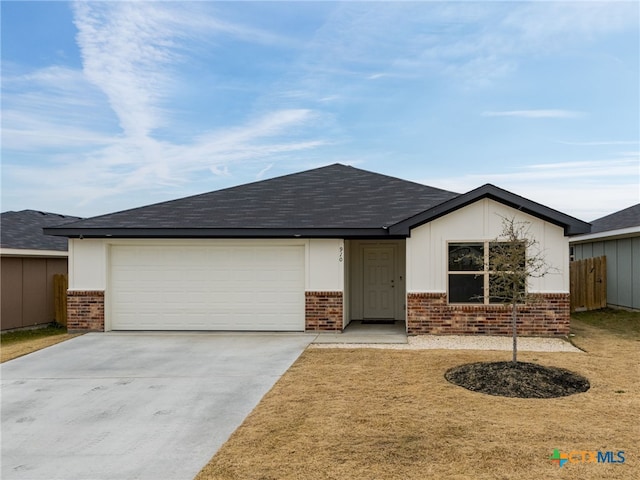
<point x="207" y="288"/>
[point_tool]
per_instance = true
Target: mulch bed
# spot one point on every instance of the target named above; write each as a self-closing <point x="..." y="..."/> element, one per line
<point x="520" y="379"/>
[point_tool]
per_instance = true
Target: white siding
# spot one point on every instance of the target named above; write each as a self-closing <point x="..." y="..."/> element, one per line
<point x="326" y="261"/>
<point x="87" y="264"/>
<point x="427" y="246"/>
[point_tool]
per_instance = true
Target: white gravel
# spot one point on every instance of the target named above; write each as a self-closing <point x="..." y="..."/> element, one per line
<point x="463" y="342"/>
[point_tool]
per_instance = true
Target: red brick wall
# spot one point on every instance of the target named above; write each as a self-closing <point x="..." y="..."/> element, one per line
<point x="429" y="313"/>
<point x="323" y="311"/>
<point x="85" y="311"/>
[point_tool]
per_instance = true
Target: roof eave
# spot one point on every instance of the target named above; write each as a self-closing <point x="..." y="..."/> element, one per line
<point x="629" y="232"/>
<point x="32" y="252"/>
<point x="571" y="225"/>
<point x="221" y="232"/>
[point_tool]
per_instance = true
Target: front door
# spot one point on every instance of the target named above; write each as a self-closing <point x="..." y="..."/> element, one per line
<point x="379" y="278"/>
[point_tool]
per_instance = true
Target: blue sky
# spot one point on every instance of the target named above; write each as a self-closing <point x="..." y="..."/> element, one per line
<point x="113" y="105"/>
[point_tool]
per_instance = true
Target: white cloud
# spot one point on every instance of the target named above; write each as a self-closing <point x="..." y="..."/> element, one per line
<point x="264" y="171"/>
<point x="126" y="50"/>
<point x="119" y="166"/>
<point x="545" y="22"/>
<point x="472" y="43"/>
<point x="105" y="147"/>
<point x="133" y="52"/>
<point x="220" y="171"/>
<point x="33" y="136"/>
<point x="601" y="143"/>
<point x="611" y="167"/>
<point x="32" y="106"/>
<point x="108" y="144"/>
<point x="553" y="113"/>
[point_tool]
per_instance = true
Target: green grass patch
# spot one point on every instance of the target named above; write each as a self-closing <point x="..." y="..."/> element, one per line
<point x="17" y="336"/>
<point x="619" y="322"/>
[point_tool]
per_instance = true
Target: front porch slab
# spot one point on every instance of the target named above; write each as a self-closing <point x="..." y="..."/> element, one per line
<point x="358" y="333"/>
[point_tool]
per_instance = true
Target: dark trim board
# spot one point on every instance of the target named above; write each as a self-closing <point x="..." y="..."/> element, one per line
<point x="368" y="233"/>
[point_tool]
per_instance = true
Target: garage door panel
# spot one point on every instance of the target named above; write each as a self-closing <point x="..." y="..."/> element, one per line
<point x="207" y="288"/>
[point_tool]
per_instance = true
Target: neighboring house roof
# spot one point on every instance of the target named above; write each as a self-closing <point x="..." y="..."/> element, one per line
<point x="620" y="224"/>
<point x="629" y="217"/>
<point x="332" y="201"/>
<point x="23" y="230"/>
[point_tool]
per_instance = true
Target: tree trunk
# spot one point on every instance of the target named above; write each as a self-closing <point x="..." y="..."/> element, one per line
<point x="514" y="329"/>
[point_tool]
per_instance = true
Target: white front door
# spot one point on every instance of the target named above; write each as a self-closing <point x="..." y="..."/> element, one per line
<point x="379" y="282"/>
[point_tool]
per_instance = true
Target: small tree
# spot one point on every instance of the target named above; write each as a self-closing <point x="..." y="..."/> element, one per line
<point x="514" y="258"/>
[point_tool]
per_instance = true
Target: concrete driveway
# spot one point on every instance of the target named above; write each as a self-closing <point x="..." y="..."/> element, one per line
<point x="133" y="405"/>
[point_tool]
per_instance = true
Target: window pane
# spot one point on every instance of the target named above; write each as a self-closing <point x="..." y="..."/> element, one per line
<point x="466" y="288"/>
<point x="507" y="256"/>
<point x="466" y="257"/>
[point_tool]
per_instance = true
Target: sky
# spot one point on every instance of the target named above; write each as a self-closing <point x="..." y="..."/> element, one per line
<point x="113" y="105"/>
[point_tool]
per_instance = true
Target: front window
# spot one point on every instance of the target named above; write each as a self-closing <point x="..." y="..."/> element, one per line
<point x="484" y="272"/>
<point x="466" y="272"/>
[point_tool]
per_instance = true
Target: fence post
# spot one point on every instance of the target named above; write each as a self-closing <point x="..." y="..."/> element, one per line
<point x="602" y="282"/>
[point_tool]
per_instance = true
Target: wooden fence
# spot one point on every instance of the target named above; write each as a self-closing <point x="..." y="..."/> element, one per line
<point x="60" y="285"/>
<point x="588" y="284"/>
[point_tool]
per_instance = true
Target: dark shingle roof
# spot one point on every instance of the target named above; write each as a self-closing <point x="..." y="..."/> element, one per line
<point x="23" y="230"/>
<point x="629" y="217"/>
<point x="332" y="197"/>
<point x="334" y="201"/>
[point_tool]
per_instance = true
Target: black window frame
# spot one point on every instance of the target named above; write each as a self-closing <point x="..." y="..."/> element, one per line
<point x="476" y="267"/>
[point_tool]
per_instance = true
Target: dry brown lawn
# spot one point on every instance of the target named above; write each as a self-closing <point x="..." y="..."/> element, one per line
<point x="384" y="414"/>
<point x="12" y="350"/>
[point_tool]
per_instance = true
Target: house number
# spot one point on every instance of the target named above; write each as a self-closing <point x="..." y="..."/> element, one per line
<point x="340" y="256"/>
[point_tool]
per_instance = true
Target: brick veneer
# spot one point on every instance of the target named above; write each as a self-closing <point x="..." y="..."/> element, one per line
<point x="429" y="313"/>
<point x="85" y="311"/>
<point x="323" y="311"/>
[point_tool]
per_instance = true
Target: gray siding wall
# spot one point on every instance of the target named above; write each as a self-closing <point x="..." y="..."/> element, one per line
<point x="623" y="268"/>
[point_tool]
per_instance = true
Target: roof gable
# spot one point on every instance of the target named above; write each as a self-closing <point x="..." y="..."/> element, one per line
<point x="23" y="230"/>
<point x="570" y="224"/>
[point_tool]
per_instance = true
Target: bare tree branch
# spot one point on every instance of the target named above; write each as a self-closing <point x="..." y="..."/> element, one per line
<point x="515" y="257"/>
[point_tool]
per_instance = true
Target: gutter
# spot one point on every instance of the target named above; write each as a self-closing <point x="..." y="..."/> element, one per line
<point x="221" y="232"/>
<point x="607" y="235"/>
<point x="28" y="252"/>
